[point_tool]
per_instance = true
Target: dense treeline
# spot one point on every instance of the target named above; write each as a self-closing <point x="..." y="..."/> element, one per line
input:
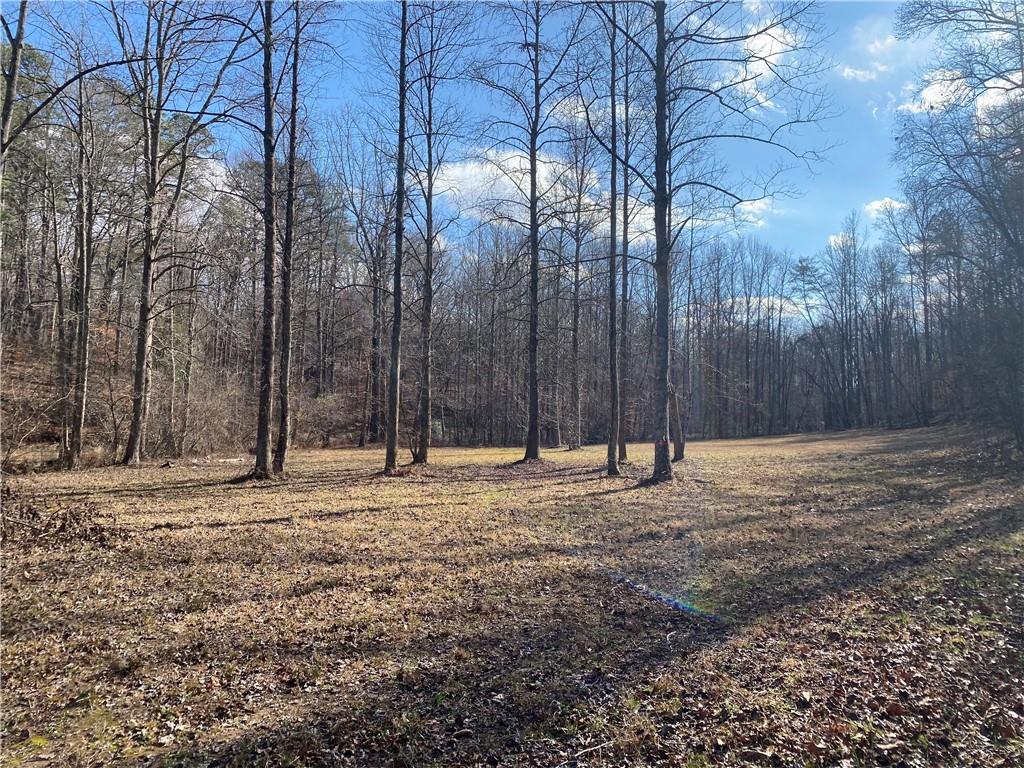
<point x="197" y="258"/>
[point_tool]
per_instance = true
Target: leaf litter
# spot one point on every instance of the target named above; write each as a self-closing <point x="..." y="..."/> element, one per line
<point x="856" y="600"/>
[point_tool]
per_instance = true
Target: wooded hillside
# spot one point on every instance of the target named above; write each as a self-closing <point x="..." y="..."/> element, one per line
<point x="200" y="256"/>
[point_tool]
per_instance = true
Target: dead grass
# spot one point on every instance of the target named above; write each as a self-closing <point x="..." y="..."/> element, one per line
<point x="853" y="599"/>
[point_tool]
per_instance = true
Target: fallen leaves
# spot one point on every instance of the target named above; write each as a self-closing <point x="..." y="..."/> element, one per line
<point x="469" y="613"/>
<point x="40" y="520"/>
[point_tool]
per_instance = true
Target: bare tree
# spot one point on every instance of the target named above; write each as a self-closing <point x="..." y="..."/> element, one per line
<point x="614" y="417"/>
<point x="11" y="72"/>
<point x="287" y="247"/>
<point x="440" y="36"/>
<point x="263" y="468"/>
<point x="394" y="375"/>
<point x="177" y="61"/>
<point x="528" y="72"/>
<point x="712" y="71"/>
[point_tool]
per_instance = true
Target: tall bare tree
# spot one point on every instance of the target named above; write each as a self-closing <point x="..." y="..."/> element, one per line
<point x="439" y="39"/>
<point x="177" y="54"/>
<point x="528" y="71"/>
<point x="395" y="372"/>
<point x="287" y="249"/>
<point x="268" y="134"/>
<point x="614" y="418"/>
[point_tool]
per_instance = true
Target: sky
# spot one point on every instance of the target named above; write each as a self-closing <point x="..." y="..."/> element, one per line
<point x="873" y="77"/>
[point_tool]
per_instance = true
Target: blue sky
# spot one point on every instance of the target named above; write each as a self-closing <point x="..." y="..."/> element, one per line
<point x="873" y="75"/>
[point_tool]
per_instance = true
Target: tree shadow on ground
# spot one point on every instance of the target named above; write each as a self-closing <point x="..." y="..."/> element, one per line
<point x="487" y="692"/>
<point x="449" y="632"/>
<point x="500" y="686"/>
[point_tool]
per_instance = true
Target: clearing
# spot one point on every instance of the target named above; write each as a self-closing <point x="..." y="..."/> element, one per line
<point x="853" y="599"/>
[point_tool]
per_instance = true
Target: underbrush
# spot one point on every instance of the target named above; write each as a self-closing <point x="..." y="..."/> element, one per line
<point x="30" y="520"/>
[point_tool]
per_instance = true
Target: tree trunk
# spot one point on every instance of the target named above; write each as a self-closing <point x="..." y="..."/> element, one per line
<point x="625" y="350"/>
<point x="284" y="376"/>
<point x="662" y="276"/>
<point x="186" y="392"/>
<point x="426" y="323"/>
<point x="678" y="428"/>
<point x="556" y="427"/>
<point x="172" y="358"/>
<point x="425" y="416"/>
<point x="364" y="430"/>
<point x="376" y="426"/>
<point x="84" y="215"/>
<point x="144" y="332"/>
<point x="576" y="433"/>
<point x="394" y="377"/>
<point x="263" y="469"/>
<point x="533" y="343"/>
<point x="11" y="72"/>
<point x="143" y="342"/>
<point x="613" y="353"/>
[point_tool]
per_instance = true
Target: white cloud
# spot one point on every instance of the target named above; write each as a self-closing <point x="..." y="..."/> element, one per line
<point x="874" y="48"/>
<point x="572" y="110"/>
<point x="998" y="92"/>
<point x="213" y="175"/>
<point x="863" y="75"/>
<point x="840" y="240"/>
<point x="872" y="37"/>
<point x="765" y="52"/>
<point x="768" y="47"/>
<point x="468" y="182"/>
<point x="498" y="178"/>
<point x="882" y="45"/>
<point x="876" y="207"/>
<point x="754" y="212"/>
<point x="942" y="87"/>
<point x="211" y="178"/>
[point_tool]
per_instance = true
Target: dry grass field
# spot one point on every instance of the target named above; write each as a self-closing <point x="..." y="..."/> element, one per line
<point x="846" y="600"/>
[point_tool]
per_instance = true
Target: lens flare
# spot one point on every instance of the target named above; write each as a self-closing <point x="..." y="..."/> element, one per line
<point x="671" y="601"/>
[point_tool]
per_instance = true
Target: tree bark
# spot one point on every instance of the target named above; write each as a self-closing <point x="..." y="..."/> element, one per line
<point x="425" y="409"/>
<point x="263" y="468"/>
<point x="576" y="433"/>
<point x="84" y="216"/>
<point x="143" y="337"/>
<point x="613" y="353"/>
<point x="186" y="392"/>
<point x="152" y="115"/>
<point x="533" y="343"/>
<point x="662" y="265"/>
<point x="12" y="70"/>
<point x="284" y="376"/>
<point x="556" y="374"/>
<point x="394" y="377"/>
<point x="625" y="347"/>
<point x="376" y="426"/>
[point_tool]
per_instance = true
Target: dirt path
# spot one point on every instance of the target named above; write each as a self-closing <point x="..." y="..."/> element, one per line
<point x="847" y="600"/>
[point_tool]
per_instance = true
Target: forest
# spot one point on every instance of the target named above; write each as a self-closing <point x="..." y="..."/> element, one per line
<point x="432" y="382"/>
<point x="197" y="261"/>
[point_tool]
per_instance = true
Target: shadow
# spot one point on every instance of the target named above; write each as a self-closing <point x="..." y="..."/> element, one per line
<point x="278" y="520"/>
<point x="481" y="695"/>
<point x="779" y="586"/>
<point x="168" y="489"/>
<point x="497" y="685"/>
<point x="481" y="622"/>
